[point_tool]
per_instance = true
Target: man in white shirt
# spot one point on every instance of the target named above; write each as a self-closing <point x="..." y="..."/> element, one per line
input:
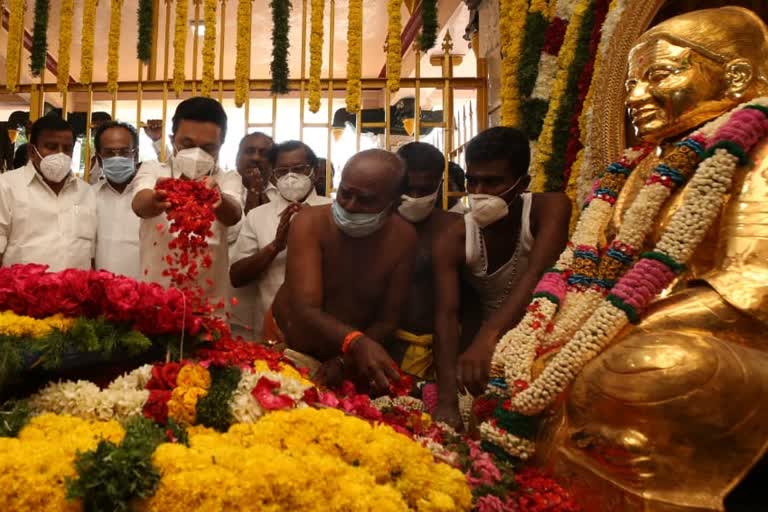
<point x="199" y="128"/>
<point x="117" y="236"/>
<point x="47" y="215"/>
<point x="259" y="256"/>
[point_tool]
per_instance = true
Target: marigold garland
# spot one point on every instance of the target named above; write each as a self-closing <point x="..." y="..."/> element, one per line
<point x="21" y="326"/>
<point x="511" y="25"/>
<point x="180" y="23"/>
<point x="428" y="34"/>
<point x="315" y="53"/>
<point x="354" y="55"/>
<point x="38" y="53"/>
<point x="209" y="47"/>
<point x="243" y="58"/>
<point x="15" y="34"/>
<point x="65" y="42"/>
<point x="144" y="14"/>
<point x="394" y="45"/>
<point x="113" y="51"/>
<point x="281" y="10"/>
<point x="86" y="41"/>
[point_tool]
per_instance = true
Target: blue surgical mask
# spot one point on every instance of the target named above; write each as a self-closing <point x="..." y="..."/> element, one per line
<point x="118" y="169"/>
<point x="358" y="225"/>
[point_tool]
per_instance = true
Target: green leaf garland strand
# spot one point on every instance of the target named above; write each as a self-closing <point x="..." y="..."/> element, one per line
<point x="428" y="35"/>
<point x="145" y="13"/>
<point x="214" y="409"/>
<point x="281" y="11"/>
<point x="39" y="38"/>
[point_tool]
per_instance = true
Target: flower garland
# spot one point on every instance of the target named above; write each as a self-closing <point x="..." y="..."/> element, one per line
<point x="86" y="41"/>
<point x="38" y="53"/>
<point x="354" y="56"/>
<point x="13" y="50"/>
<point x="21" y="326"/>
<point x="428" y="34"/>
<point x="243" y="58"/>
<point x="582" y="181"/>
<point x="144" y="15"/>
<point x="315" y="53"/>
<point x="180" y="23"/>
<point x="538" y="63"/>
<point x="281" y="11"/>
<point x="113" y="50"/>
<point x="192" y="383"/>
<point x="573" y="39"/>
<point x="65" y="42"/>
<point x="394" y="45"/>
<point x="209" y="47"/>
<point x="511" y="29"/>
<point x="728" y="140"/>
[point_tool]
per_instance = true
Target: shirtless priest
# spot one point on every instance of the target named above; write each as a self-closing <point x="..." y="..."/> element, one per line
<point x="347" y="274"/>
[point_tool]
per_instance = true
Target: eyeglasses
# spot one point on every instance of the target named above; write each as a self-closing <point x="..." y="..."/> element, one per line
<point x="125" y="152"/>
<point x="305" y="169"/>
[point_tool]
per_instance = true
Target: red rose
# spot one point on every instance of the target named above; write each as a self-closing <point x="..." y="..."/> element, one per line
<point x="164" y="376"/>
<point x="156" y="407"/>
<point x="123" y="295"/>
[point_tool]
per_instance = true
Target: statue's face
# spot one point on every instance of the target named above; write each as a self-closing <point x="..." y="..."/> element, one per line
<point x="671" y="89"/>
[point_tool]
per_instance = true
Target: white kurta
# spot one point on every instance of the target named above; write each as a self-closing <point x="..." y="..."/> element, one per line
<point x="117" y="236"/>
<point x="258" y="231"/>
<point x="153" y="242"/>
<point x="39" y="226"/>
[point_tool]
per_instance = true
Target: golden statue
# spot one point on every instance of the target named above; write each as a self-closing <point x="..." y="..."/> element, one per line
<point x="674" y="413"/>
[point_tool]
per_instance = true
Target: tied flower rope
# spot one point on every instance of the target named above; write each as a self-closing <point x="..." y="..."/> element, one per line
<point x="597" y="320"/>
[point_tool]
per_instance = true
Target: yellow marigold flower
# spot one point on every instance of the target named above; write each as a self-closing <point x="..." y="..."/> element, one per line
<point x="315" y="53"/>
<point x="12" y="324"/>
<point x="194" y="375"/>
<point x="182" y="406"/>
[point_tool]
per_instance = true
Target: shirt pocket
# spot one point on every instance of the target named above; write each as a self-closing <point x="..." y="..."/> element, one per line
<point x="82" y="220"/>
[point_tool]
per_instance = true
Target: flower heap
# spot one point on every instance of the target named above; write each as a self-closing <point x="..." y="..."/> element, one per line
<point x="242" y="408"/>
<point x="191" y="218"/>
<point x="591" y="294"/>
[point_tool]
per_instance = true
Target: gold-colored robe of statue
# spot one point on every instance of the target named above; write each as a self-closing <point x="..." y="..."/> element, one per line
<point x="675" y="412"/>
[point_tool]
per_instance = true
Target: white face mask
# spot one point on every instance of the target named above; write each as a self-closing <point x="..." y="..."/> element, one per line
<point x="194" y="163"/>
<point x="486" y="209"/>
<point x="416" y="209"/>
<point x="294" y="187"/>
<point x="55" y="167"/>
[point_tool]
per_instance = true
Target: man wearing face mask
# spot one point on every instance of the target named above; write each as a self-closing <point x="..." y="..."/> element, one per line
<point x="117" y="240"/>
<point x="508" y="239"/>
<point x="424" y="167"/>
<point x="347" y="275"/>
<point x="47" y="215"/>
<point x="199" y="126"/>
<point x="259" y="255"/>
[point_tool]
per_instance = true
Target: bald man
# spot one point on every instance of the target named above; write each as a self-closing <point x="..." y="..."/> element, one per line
<point x="347" y="275"/>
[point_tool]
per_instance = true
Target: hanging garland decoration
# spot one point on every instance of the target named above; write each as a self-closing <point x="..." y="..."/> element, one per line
<point x="575" y="36"/>
<point x="581" y="182"/>
<point x="179" y="45"/>
<point x="316" y="53"/>
<point x="538" y="63"/>
<point x="145" y="13"/>
<point x="243" y="58"/>
<point x="86" y="42"/>
<point x="428" y="25"/>
<point x="511" y="29"/>
<point x="113" y="51"/>
<point x="65" y="42"/>
<point x="354" y="56"/>
<point x="607" y="292"/>
<point x="281" y="10"/>
<point x="394" y="45"/>
<point x="39" y="38"/>
<point x="209" y="47"/>
<point x="13" y="51"/>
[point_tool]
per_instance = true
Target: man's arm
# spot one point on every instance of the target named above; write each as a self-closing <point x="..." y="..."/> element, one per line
<point x="447" y="258"/>
<point x="148" y="202"/>
<point x="549" y="225"/>
<point x="227" y="211"/>
<point x="304" y="281"/>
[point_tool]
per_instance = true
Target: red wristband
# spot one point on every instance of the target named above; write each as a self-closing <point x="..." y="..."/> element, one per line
<point x="349" y="339"/>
